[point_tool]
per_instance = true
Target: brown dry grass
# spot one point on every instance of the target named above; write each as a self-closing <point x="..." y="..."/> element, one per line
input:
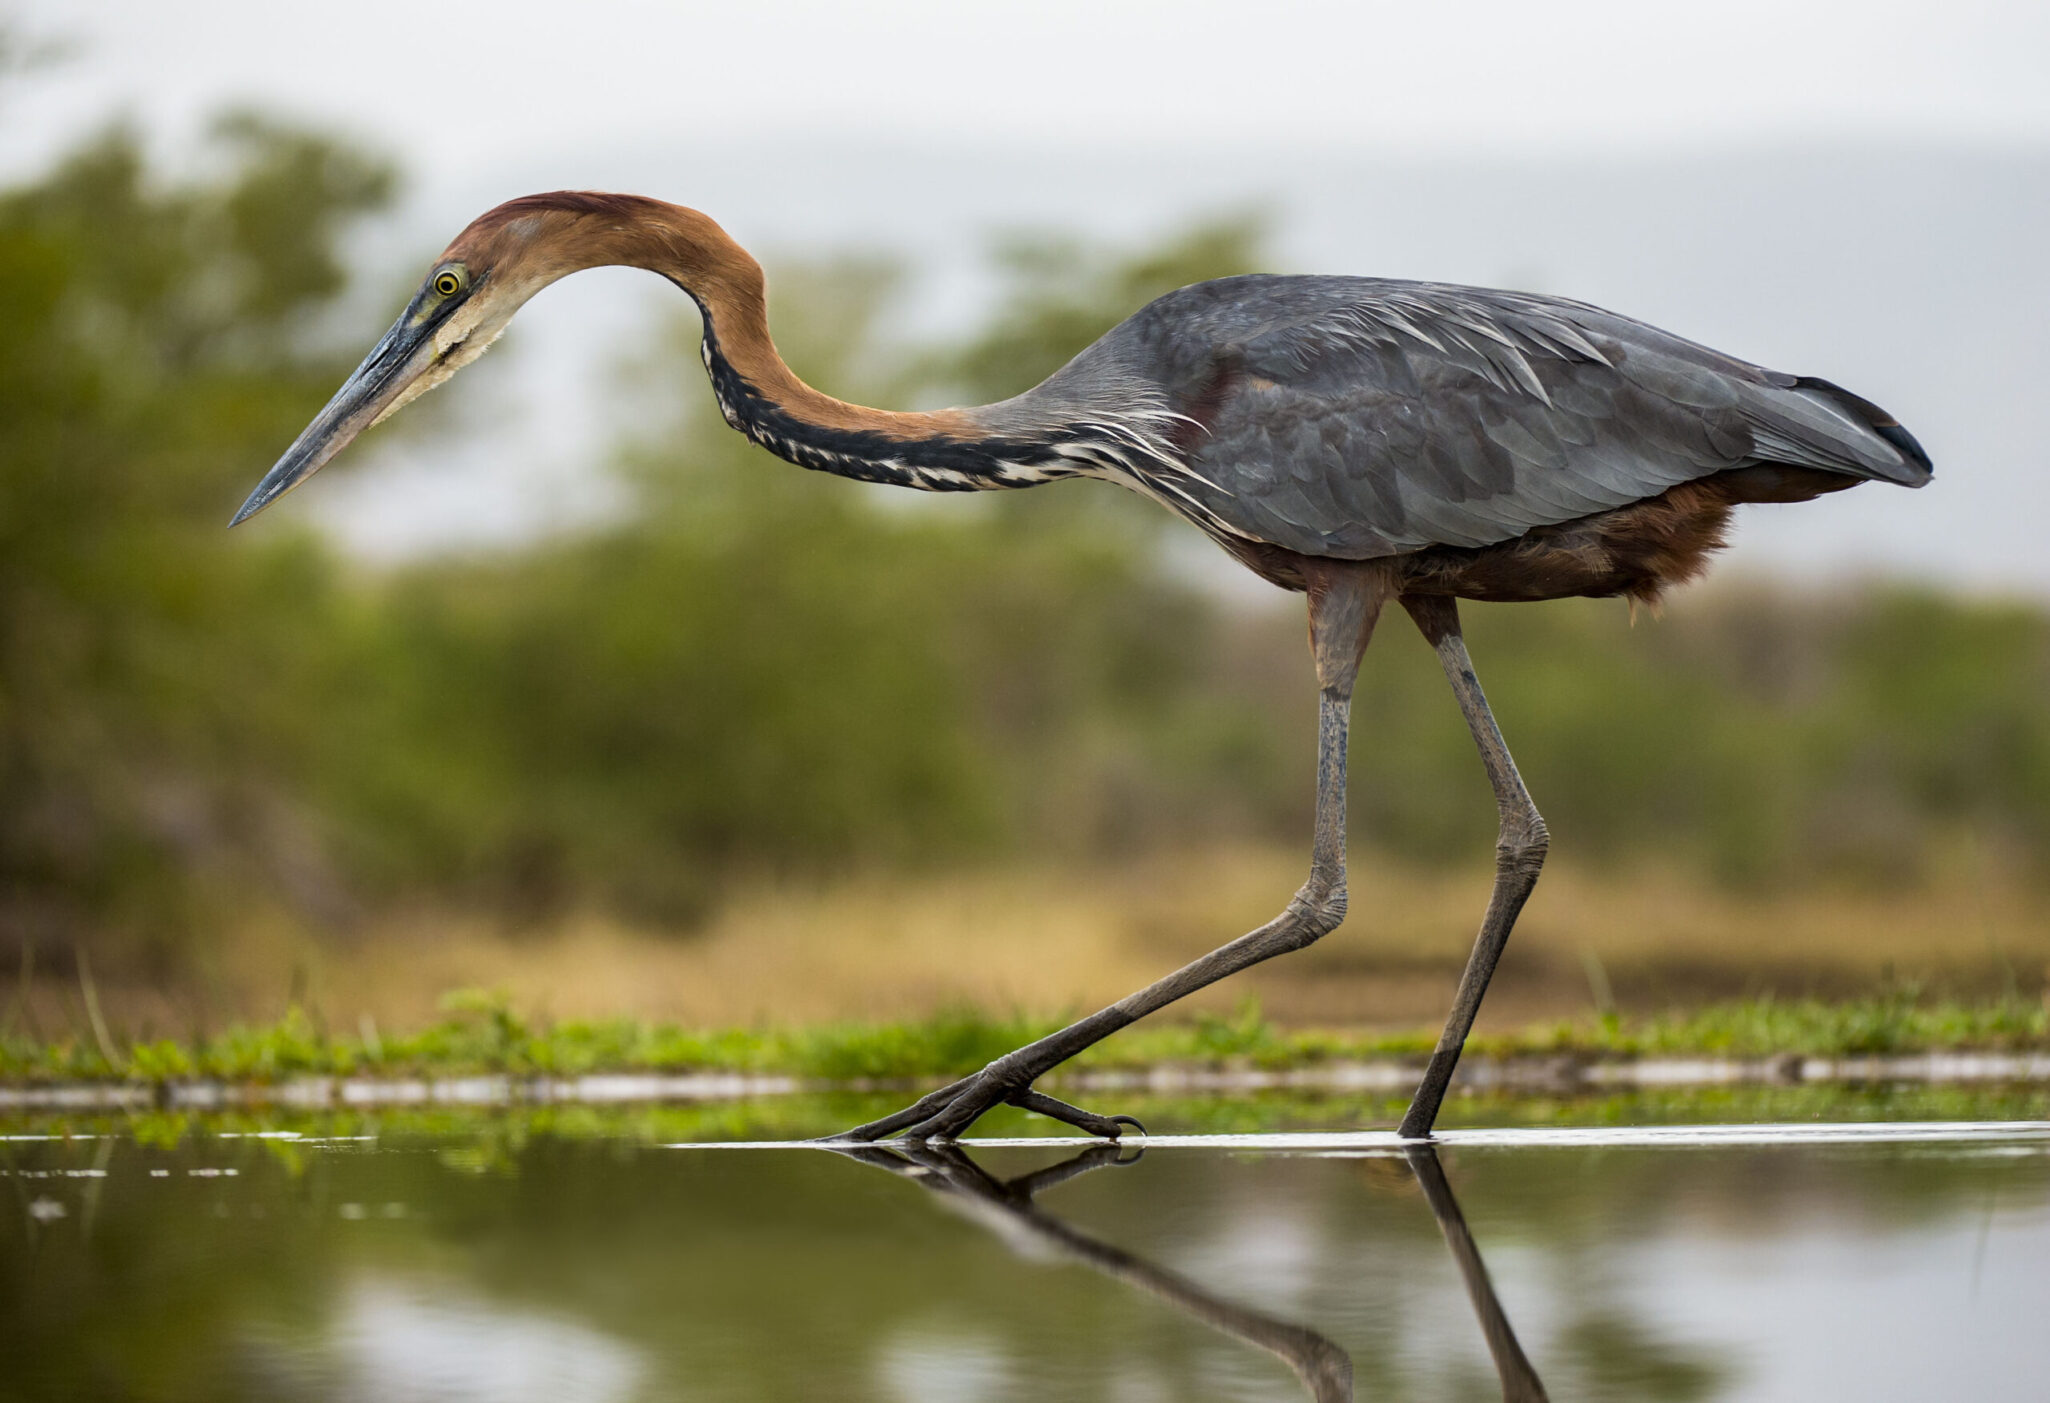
<point x="885" y="947"/>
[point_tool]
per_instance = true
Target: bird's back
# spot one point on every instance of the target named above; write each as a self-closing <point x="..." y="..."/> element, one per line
<point x="1359" y="418"/>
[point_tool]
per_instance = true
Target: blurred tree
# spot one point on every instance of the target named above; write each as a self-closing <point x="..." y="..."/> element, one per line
<point x="152" y="348"/>
<point x="1061" y="294"/>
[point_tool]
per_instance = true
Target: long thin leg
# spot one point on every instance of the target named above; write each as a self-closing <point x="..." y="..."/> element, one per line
<point x="1343" y="609"/>
<point x="1520" y="848"/>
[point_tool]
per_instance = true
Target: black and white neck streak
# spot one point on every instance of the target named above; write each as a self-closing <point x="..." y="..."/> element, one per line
<point x="953" y="455"/>
<point x="1016" y="443"/>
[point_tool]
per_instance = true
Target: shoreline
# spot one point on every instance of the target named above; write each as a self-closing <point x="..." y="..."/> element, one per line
<point x="1536" y="1073"/>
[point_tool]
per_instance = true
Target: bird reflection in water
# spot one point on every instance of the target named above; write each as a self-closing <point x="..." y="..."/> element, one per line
<point x="1009" y="1209"/>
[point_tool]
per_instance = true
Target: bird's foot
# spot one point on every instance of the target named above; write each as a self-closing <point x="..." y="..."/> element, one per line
<point x="946" y="1113"/>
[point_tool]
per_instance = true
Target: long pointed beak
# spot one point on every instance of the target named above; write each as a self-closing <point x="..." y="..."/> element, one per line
<point x="394" y="363"/>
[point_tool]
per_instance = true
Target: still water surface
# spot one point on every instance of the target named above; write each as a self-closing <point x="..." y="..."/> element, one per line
<point x="512" y="1259"/>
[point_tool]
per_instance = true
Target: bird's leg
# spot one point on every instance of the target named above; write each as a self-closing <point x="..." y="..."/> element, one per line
<point x="1343" y="608"/>
<point x="1519" y="853"/>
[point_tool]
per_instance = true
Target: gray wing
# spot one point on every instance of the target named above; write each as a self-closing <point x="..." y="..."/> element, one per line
<point x="1360" y="418"/>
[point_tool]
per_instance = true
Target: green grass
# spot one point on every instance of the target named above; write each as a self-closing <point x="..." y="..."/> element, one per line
<point x="482" y="1033"/>
<point x="806" y="1115"/>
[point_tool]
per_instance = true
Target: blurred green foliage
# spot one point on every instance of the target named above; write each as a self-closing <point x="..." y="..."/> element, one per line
<point x="756" y="670"/>
<point x="157" y="680"/>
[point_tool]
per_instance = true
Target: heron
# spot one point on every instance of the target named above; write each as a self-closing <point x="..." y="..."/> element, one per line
<point x="1362" y="441"/>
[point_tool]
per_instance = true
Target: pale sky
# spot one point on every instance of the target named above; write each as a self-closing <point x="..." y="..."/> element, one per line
<point x="1854" y="190"/>
<point x="455" y="85"/>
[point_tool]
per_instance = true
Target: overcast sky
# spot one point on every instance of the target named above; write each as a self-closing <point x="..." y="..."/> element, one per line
<point x="461" y="85"/>
<point x="1858" y="190"/>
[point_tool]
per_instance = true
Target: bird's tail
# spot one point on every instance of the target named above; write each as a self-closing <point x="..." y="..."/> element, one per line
<point x="1812" y="423"/>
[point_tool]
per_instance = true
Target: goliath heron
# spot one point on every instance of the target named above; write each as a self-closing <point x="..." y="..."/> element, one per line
<point x="1360" y="440"/>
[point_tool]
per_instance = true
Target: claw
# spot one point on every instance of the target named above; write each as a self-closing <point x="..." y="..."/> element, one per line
<point x="1106" y="1126"/>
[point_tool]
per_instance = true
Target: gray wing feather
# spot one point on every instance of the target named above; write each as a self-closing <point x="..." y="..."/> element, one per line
<point x="1360" y="417"/>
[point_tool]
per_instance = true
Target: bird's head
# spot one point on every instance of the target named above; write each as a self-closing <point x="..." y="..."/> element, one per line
<point x="471" y="292"/>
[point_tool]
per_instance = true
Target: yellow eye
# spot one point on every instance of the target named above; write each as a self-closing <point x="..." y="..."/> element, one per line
<point x="447" y="283"/>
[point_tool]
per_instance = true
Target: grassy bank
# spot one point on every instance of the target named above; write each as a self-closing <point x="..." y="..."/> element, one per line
<point x="877" y="947"/>
<point x="480" y="1033"/>
<point x="487" y="1137"/>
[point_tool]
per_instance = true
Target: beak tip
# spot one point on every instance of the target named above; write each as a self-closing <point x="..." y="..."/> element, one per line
<point x="363" y="398"/>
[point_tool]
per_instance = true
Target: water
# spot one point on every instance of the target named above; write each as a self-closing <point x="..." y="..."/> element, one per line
<point x="585" y="1257"/>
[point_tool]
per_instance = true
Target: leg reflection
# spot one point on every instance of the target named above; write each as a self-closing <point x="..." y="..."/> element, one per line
<point x="1520" y="1383"/>
<point x="1006" y="1207"/>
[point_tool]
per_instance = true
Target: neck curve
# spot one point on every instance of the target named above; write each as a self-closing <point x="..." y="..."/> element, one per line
<point x="1099" y="422"/>
<point x="947" y="450"/>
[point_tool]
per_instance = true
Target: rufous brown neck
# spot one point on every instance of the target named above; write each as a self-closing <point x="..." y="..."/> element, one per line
<point x="527" y="243"/>
<point x="551" y="236"/>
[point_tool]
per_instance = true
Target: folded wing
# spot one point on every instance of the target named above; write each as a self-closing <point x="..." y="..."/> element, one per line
<point x="1360" y="418"/>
